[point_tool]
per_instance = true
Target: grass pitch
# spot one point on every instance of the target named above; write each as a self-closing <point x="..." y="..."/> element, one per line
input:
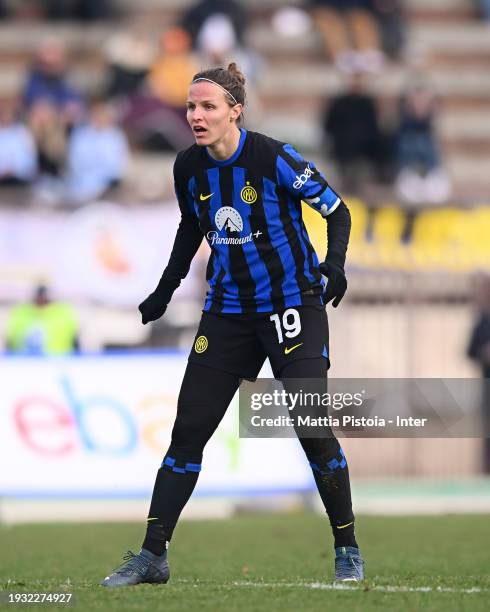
<point x="259" y="563"/>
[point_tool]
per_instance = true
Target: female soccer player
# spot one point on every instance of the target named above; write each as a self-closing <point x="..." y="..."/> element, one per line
<point x="242" y="191"/>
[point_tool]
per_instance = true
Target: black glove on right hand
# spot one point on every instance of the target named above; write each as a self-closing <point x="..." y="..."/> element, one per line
<point x="156" y="303"/>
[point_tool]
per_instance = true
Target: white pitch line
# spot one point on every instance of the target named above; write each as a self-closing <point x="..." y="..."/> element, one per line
<point x="360" y="587"/>
<point x="333" y="586"/>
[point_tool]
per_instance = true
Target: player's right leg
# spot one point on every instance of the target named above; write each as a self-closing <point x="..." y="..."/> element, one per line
<point x="204" y="397"/>
<point x="225" y="351"/>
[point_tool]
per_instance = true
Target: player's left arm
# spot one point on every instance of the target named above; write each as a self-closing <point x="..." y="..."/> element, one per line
<point x="303" y="180"/>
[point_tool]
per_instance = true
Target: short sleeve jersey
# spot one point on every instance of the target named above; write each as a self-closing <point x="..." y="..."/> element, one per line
<point x="248" y="208"/>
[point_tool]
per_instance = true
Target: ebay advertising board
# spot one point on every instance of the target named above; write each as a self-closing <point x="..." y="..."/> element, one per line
<point x="99" y="426"/>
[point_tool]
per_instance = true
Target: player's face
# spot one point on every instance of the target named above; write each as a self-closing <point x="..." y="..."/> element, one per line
<point x="209" y="114"/>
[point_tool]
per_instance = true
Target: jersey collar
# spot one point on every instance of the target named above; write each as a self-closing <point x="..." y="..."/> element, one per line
<point x="234" y="157"/>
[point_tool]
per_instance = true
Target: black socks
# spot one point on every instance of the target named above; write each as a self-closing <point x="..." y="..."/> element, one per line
<point x="155" y="539"/>
<point x="344" y="535"/>
<point x="174" y="485"/>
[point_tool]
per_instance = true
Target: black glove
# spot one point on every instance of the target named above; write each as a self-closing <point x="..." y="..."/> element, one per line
<point x="337" y="283"/>
<point x="156" y="303"/>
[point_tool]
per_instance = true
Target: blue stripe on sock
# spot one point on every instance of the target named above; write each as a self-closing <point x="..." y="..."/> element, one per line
<point x="189" y="467"/>
<point x="332" y="465"/>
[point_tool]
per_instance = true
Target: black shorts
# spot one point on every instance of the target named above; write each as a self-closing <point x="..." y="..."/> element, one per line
<point x="240" y="343"/>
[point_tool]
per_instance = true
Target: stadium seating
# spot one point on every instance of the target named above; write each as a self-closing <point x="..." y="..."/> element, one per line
<point x="448" y="238"/>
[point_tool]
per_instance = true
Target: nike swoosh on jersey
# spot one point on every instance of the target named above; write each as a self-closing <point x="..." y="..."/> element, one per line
<point x="205" y="197"/>
<point x="288" y="350"/>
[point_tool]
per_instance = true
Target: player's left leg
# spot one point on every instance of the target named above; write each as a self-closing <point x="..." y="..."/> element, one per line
<point x="296" y="342"/>
<point x="225" y="351"/>
<point x="330" y="470"/>
<point x="204" y="397"/>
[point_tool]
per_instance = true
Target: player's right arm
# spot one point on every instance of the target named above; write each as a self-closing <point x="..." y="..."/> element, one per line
<point x="186" y="243"/>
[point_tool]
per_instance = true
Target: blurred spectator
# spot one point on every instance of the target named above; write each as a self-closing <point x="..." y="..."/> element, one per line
<point x="17" y="149"/>
<point x="83" y="10"/>
<point x="352" y="128"/>
<point x="49" y="131"/>
<point x="130" y="54"/>
<point x="291" y="21"/>
<point x="156" y="116"/>
<point x="98" y="155"/>
<point x="217" y="29"/>
<point x="479" y="351"/>
<point x="42" y="327"/>
<point x="350" y="33"/>
<point x="217" y="46"/>
<point x="389" y="14"/>
<point x="196" y="17"/>
<point x="484" y="9"/>
<point x="47" y="80"/>
<point x="173" y="69"/>
<point x="421" y="177"/>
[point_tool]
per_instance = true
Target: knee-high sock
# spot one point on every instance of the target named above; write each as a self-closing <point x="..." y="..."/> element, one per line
<point x="331" y="475"/>
<point x="325" y="455"/>
<point x="171" y="492"/>
<point x="204" y="397"/>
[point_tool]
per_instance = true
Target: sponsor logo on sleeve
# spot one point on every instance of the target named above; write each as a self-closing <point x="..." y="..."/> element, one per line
<point x="303" y="178"/>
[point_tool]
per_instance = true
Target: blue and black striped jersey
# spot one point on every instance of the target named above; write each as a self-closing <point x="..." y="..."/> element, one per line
<point x="248" y="208"/>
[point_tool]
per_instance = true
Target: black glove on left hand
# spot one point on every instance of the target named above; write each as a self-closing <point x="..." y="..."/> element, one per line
<point x="337" y="283"/>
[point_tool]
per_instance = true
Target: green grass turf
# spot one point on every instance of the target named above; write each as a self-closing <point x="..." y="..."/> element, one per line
<point x="208" y="558"/>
